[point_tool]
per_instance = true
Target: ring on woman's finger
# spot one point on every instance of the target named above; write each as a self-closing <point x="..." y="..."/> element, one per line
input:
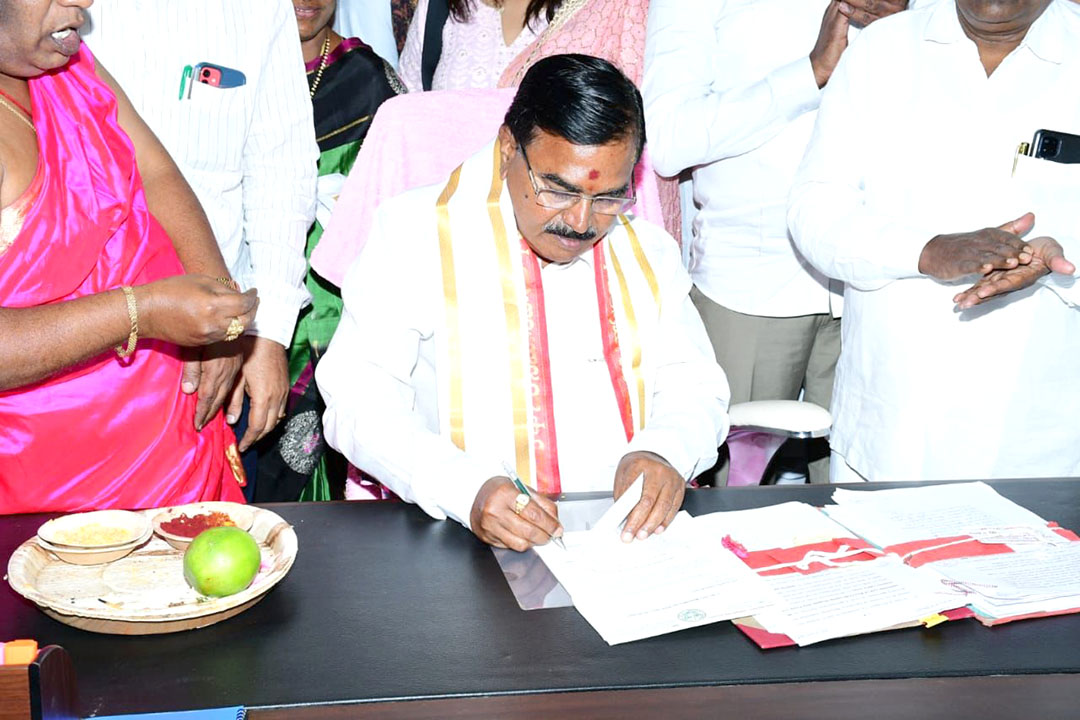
<point x="235" y="329"/>
<point x="520" y="502"/>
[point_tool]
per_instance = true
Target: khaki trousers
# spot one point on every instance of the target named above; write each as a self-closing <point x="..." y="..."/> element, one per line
<point x="767" y="358"/>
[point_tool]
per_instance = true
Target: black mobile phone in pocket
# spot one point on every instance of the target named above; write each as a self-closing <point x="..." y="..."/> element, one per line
<point x="1056" y="146"/>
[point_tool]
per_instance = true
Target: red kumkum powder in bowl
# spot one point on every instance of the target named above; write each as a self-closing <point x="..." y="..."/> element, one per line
<point x="189" y="526"/>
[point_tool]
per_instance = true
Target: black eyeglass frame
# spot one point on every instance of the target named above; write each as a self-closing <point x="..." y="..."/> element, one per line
<point x="570" y="199"/>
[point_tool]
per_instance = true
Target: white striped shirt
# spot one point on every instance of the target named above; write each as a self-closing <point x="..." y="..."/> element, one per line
<point x="248" y="152"/>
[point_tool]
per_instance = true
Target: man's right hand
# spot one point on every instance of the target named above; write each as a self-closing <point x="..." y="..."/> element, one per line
<point x="951" y="257"/>
<point x="494" y="521"/>
<point x="833" y="37"/>
<point x="192" y="310"/>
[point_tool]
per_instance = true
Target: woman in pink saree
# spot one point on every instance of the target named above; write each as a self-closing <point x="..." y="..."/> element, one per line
<point x="94" y="303"/>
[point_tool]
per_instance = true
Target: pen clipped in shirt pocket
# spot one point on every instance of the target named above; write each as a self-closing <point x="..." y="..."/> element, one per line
<point x="215" y="122"/>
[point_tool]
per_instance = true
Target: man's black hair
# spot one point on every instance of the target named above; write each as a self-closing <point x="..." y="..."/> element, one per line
<point x="583" y="99"/>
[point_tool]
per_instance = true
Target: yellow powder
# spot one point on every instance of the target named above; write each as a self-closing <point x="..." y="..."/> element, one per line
<point x="93" y="534"/>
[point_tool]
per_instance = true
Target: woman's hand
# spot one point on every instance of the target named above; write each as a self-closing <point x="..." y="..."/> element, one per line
<point x="192" y="310"/>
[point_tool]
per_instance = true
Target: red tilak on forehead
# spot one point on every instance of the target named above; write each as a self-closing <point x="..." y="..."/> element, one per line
<point x="593" y="174"/>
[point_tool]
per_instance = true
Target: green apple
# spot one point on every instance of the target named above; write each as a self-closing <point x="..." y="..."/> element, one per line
<point x="221" y="561"/>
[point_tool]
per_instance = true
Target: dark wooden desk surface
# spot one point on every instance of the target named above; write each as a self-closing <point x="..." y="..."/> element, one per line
<point x="385" y="605"/>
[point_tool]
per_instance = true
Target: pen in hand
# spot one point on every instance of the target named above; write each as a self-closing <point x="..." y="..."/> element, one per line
<point x="522" y="488"/>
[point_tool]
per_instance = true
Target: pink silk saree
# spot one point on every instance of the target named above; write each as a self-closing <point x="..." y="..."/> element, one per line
<point x="108" y="433"/>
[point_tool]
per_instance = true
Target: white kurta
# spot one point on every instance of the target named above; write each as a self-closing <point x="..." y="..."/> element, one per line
<point x="913" y="140"/>
<point x="730" y="92"/>
<point x="248" y="152"/>
<point x="380" y="374"/>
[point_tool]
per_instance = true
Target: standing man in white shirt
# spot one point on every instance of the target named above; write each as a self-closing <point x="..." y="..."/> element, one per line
<point x="244" y="141"/>
<point x="915" y="150"/>
<point x="731" y="91"/>
<point x="525" y="323"/>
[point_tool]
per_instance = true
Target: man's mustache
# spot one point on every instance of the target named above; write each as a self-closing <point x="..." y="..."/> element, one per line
<point x="568" y="232"/>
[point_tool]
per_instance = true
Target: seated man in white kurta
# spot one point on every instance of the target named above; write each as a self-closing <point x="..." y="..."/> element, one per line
<point x="511" y="317"/>
<point x="961" y="346"/>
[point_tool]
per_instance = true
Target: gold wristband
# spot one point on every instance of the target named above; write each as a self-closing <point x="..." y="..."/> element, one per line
<point x="133" y="315"/>
<point x="229" y="283"/>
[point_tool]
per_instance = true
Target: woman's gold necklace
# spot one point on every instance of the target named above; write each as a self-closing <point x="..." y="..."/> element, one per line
<point x="322" y="63"/>
<point x="18" y="113"/>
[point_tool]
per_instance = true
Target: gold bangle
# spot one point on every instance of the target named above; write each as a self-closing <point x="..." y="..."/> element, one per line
<point x="229" y="283"/>
<point x="133" y="315"/>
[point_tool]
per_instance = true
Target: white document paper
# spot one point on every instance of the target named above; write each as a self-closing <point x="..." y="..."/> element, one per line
<point x="890" y="517"/>
<point x="857" y="597"/>
<point x="613" y="518"/>
<point x="1039" y="580"/>
<point x="629" y="591"/>
<point x="1017" y="536"/>
<point x="777" y="526"/>
<point x="852" y="598"/>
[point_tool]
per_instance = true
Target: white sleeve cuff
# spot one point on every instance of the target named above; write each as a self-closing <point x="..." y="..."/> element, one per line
<point x="795" y="82"/>
<point x="461" y="479"/>
<point x="669" y="444"/>
<point x="278" y="308"/>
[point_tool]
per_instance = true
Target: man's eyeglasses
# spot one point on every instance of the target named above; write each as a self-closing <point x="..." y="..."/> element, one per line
<point x="564" y="200"/>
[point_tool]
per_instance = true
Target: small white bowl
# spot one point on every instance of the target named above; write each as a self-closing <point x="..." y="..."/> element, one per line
<point x="241" y="516"/>
<point x="92" y="555"/>
<point x="63" y="531"/>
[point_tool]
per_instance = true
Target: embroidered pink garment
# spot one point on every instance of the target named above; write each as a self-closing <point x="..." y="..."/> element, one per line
<point x="108" y="433"/>
<point x="610" y="29"/>
<point x="474" y="54"/>
<point x="416" y="140"/>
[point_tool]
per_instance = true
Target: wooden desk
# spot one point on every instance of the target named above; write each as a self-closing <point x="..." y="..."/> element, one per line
<point x="389" y="614"/>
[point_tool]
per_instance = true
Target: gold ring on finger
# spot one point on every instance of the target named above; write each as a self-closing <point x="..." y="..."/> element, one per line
<point x="235" y="329"/>
<point x="520" y="502"/>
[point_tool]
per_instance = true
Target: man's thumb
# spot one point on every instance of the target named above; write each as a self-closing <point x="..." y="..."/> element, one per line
<point x="1020" y="225"/>
<point x="1055" y="260"/>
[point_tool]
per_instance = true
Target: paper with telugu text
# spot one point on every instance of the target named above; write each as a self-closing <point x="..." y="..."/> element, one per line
<point x="854" y="598"/>
<point x="1046" y="579"/>
<point x="668" y="582"/>
<point x="891" y="517"/>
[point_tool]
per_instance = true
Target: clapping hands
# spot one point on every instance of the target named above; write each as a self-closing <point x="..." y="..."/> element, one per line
<point x="1006" y="262"/>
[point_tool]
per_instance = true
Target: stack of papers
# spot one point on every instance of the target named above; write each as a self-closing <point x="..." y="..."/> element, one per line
<point x="833" y="585"/>
<point x="1004" y="560"/>
<point x="894" y="517"/>
<point x="796" y="574"/>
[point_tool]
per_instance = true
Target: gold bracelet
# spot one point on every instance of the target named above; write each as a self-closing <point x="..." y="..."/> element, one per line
<point x="133" y="315"/>
<point x="229" y="283"/>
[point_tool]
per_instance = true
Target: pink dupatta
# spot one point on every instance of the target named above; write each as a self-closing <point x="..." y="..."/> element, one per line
<point x="108" y="432"/>
<point x="613" y="30"/>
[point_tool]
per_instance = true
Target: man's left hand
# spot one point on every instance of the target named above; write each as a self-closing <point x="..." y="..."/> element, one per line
<point x="1046" y="257"/>
<point x="662" y="493"/>
<point x="265" y="379"/>
<point x="209" y="371"/>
